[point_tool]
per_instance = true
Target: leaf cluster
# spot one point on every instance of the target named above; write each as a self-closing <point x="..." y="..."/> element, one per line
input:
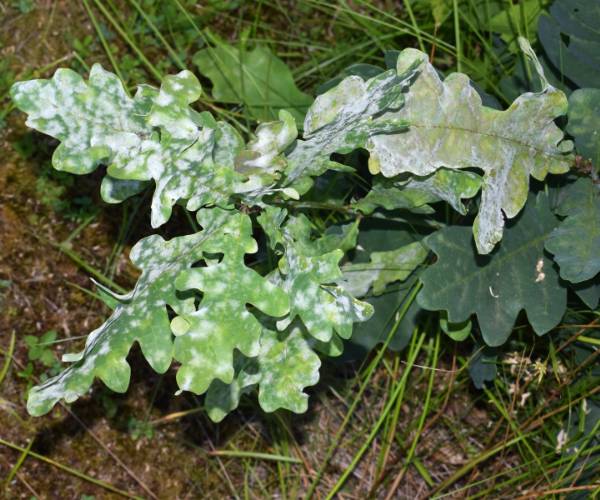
<point x="261" y="293"/>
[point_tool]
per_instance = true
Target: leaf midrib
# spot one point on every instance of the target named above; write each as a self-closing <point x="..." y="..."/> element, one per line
<point x="521" y="144"/>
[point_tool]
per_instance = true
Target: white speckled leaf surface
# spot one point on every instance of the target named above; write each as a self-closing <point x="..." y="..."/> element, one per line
<point x="343" y="118"/>
<point x="449" y="127"/>
<point x="206" y="338"/>
<point x="285" y="365"/>
<point x="141" y="316"/>
<point x="307" y="276"/>
<point x="154" y="136"/>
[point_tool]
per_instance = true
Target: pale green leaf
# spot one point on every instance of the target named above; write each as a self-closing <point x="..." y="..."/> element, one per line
<point x="384" y="268"/>
<point x="206" y="338"/>
<point x="222" y="398"/>
<point x="81" y="114"/>
<point x="449" y="127"/>
<point x="262" y="160"/>
<point x="320" y="310"/>
<point x="192" y="159"/>
<point x="308" y="272"/>
<point x="415" y="193"/>
<point x="299" y="231"/>
<point x="141" y="316"/>
<point x="117" y="190"/>
<point x="287" y="365"/>
<point x="342" y="236"/>
<point x="518" y="275"/>
<point x="271" y="219"/>
<point x="284" y="366"/>
<point x="456" y="331"/>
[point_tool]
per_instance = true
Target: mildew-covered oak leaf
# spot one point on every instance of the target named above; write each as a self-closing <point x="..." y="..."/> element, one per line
<point x="416" y="193"/>
<point x="140" y="316"/>
<point x="206" y="338"/>
<point x="447" y="126"/>
<point x="262" y="160"/>
<point x="342" y="120"/>
<point x="154" y="136"/>
<point x="284" y="366"/>
<point x="308" y="276"/>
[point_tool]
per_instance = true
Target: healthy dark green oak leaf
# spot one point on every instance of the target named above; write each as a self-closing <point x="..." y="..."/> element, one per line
<point x="584" y="123"/>
<point x="575" y="243"/>
<point x="517" y="276"/>
<point x="571" y="40"/>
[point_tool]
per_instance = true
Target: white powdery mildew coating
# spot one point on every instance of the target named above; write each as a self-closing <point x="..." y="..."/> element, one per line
<point x="323" y="309"/>
<point x="449" y="127"/>
<point x="287" y="366"/>
<point x="79" y="114"/>
<point x="154" y="136"/>
<point x="182" y="160"/>
<point x="343" y="118"/>
<point x="222" y="323"/>
<point x="448" y="185"/>
<point x="261" y="162"/>
<point x="140" y="316"/>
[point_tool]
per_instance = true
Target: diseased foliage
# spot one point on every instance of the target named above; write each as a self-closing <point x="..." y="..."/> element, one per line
<point x="260" y="294"/>
<point x="459" y="132"/>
